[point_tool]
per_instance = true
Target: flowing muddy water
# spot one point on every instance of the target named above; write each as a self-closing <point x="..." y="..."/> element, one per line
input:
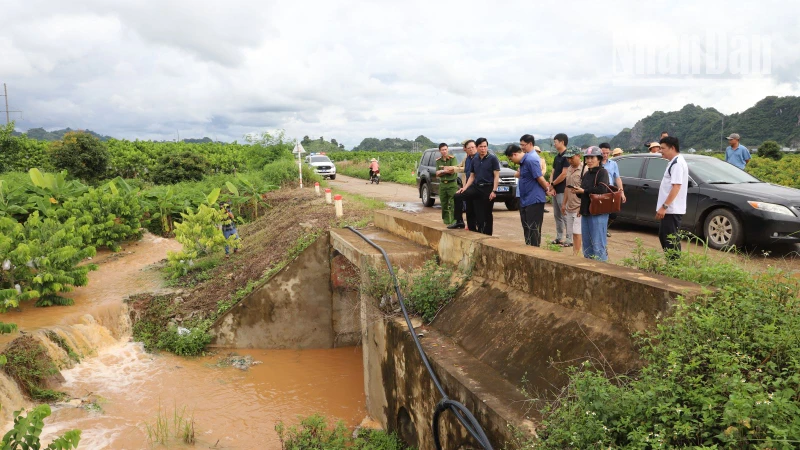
<point x="231" y="408"/>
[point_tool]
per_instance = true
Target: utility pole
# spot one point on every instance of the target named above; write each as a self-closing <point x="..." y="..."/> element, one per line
<point x="5" y="94"/>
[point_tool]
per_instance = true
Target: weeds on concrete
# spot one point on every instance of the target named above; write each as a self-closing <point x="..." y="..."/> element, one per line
<point x="721" y="372"/>
<point x="426" y="290"/>
<point x="154" y="330"/>
<point x="314" y="432"/>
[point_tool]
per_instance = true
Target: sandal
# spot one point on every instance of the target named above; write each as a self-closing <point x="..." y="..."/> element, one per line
<point x="567" y="244"/>
<point x="557" y="242"/>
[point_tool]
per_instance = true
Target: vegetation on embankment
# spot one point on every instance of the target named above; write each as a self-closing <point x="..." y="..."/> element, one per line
<point x="212" y="284"/>
<point x="314" y="432"/>
<point x="722" y="372"/>
<point x="29" y="365"/>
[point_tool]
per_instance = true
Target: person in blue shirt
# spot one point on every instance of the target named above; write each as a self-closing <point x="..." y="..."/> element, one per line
<point x="613" y="177"/>
<point x="736" y="154"/>
<point x="532" y="188"/>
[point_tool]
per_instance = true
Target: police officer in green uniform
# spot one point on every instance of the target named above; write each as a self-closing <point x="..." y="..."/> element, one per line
<point x="445" y="171"/>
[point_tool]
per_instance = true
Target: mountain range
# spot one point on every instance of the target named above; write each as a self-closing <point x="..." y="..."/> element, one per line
<point x="773" y="118"/>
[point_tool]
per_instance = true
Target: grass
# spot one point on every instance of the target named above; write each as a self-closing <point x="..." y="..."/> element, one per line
<point x="164" y="427"/>
<point x="28" y="363"/>
<point x="314" y="432"/>
<point x="61" y="342"/>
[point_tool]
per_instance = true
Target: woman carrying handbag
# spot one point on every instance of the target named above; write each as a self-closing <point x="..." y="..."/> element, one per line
<point x="594" y="220"/>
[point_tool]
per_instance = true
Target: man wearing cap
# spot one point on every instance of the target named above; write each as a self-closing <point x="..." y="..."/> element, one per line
<point x="445" y="171"/>
<point x="462" y="199"/>
<point x="736" y="154"/>
<point x="655" y="147"/>
<point x="373" y="167"/>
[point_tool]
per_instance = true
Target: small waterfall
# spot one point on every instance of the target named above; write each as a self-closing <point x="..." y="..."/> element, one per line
<point x="84" y="335"/>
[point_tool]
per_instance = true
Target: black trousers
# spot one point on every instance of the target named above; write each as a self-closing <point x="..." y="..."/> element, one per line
<point x="532" y="217"/>
<point x="669" y="226"/>
<point x="484" y="219"/>
<point x="460" y="201"/>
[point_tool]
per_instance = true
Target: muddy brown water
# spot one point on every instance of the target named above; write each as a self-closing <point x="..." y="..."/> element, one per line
<point x="231" y="408"/>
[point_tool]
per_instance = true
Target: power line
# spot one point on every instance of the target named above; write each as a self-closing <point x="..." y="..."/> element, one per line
<point x="5" y="94"/>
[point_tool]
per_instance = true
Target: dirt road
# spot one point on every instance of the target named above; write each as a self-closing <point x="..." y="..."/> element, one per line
<point x="507" y="225"/>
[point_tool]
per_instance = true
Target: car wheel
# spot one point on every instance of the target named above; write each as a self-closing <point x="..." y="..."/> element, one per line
<point x="512" y="205"/>
<point x="425" y="193"/>
<point x="333" y="177"/>
<point x="723" y="229"/>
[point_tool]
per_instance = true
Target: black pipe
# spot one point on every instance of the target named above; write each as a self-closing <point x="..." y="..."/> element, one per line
<point x="461" y="412"/>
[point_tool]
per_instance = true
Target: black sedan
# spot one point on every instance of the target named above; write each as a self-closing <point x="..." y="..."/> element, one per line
<point x="725" y="205"/>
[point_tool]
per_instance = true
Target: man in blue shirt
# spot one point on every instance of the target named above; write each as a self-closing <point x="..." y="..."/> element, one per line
<point x="736" y="154"/>
<point x="532" y="190"/>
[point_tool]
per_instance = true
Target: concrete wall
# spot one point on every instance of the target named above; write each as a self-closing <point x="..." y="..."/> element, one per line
<point x="297" y="308"/>
<point x="629" y="297"/>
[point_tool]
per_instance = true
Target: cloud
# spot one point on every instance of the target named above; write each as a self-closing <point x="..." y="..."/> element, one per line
<point x="352" y="69"/>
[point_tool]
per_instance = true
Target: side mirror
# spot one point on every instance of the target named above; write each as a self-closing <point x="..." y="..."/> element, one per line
<point x="504" y="163"/>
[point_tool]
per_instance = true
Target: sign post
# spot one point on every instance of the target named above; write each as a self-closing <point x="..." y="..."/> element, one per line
<point x="299" y="150"/>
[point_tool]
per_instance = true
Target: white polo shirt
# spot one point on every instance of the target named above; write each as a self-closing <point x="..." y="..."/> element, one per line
<point x="677" y="173"/>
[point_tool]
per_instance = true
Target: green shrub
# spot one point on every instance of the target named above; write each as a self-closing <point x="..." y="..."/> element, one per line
<point x="184" y="343"/>
<point x="184" y="166"/>
<point x="286" y="171"/>
<point x="771" y="150"/>
<point x="721" y="372"/>
<point x="112" y="215"/>
<point x="429" y="289"/>
<point x="313" y="432"/>
<point x="81" y="155"/>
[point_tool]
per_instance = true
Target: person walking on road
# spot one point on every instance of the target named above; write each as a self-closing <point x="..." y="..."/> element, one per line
<point x="557" y="181"/>
<point x="445" y="171"/>
<point x="572" y="203"/>
<point x="672" y="197"/>
<point x="593" y="181"/>
<point x="483" y="180"/>
<point x="462" y="200"/>
<point x="532" y="188"/>
<point x="736" y="154"/>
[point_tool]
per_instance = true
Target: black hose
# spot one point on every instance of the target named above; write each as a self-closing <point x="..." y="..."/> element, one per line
<point x="461" y="412"/>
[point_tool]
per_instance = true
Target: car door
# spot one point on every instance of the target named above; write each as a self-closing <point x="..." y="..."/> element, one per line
<point x="630" y="171"/>
<point x="430" y="168"/>
<point x="648" y="194"/>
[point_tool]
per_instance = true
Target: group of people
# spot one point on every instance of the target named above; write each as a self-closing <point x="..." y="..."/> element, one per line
<point x="576" y="175"/>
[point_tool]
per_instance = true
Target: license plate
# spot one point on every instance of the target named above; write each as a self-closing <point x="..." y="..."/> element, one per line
<point x="502" y="189"/>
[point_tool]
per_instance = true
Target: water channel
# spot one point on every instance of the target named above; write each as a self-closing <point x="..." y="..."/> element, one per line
<point x="231" y="408"/>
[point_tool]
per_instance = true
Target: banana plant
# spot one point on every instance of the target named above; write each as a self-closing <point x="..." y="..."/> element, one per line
<point x="167" y="207"/>
<point x="235" y="199"/>
<point x="253" y="192"/>
<point x="52" y="189"/>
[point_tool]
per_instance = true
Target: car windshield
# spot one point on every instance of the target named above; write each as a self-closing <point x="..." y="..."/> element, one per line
<point x="319" y="159"/>
<point x="715" y="171"/>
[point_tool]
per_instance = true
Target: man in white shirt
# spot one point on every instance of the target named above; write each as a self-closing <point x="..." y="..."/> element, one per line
<point x="671" y="204"/>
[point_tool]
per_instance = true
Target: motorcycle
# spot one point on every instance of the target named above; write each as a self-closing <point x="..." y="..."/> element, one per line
<point x="376" y="177"/>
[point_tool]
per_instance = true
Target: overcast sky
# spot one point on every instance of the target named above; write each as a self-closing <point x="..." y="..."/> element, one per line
<point x="349" y="70"/>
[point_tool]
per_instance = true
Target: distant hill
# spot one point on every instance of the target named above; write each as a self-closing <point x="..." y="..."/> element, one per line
<point x="320" y="145"/>
<point x="394" y="144"/>
<point x="56" y="135"/>
<point x="773" y="118"/>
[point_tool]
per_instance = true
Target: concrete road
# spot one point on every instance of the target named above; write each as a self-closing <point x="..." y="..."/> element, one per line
<point x="507" y="225"/>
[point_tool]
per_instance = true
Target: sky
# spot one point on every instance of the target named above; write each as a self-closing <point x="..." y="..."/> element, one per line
<point x="156" y="69"/>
